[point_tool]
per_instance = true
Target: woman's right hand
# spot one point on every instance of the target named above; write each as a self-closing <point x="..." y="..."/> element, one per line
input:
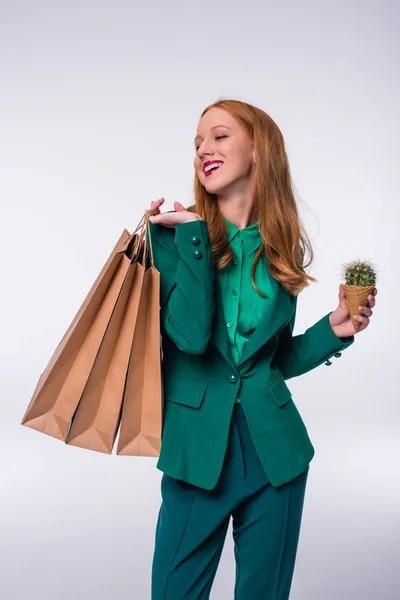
<point x="171" y="219"/>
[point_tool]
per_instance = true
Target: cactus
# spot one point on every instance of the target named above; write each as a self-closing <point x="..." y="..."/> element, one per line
<point x="360" y="277"/>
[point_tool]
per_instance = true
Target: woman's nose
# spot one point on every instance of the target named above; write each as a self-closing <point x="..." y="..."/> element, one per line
<point x="206" y="151"/>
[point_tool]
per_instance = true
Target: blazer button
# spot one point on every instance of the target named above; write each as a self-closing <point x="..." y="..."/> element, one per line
<point x="338" y="354"/>
<point x="233" y="378"/>
<point x="197" y="254"/>
<point x="328" y="362"/>
<point x="195" y="240"/>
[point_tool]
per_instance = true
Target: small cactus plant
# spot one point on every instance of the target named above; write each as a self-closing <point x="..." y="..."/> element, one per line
<point x="360" y="277"/>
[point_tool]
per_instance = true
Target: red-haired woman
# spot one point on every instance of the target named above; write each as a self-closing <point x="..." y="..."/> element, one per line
<point x="233" y="443"/>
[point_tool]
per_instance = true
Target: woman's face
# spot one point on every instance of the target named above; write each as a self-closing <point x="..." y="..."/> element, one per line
<point x="222" y="139"/>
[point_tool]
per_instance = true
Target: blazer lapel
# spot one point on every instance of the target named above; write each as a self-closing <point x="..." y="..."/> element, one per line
<point x="277" y="313"/>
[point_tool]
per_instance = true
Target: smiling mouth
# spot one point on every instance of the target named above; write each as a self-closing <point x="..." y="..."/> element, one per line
<point x="212" y="170"/>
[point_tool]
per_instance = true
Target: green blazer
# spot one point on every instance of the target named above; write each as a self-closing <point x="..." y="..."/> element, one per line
<point x="200" y="378"/>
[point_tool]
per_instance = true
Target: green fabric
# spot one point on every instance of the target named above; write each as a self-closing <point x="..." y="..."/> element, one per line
<point x="201" y="380"/>
<point x="192" y="526"/>
<point x="242" y="305"/>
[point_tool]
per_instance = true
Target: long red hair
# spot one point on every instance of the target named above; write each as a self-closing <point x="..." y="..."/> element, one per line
<point x="284" y="240"/>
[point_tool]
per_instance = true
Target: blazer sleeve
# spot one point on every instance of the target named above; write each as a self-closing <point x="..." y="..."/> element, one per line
<point x="299" y="354"/>
<point x="186" y="283"/>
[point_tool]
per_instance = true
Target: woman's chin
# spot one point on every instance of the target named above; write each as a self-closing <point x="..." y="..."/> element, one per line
<point x="214" y="187"/>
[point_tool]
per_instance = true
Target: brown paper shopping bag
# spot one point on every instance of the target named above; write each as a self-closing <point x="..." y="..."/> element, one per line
<point x="61" y="385"/>
<point x="97" y="417"/>
<point x="95" y="422"/>
<point x="142" y="409"/>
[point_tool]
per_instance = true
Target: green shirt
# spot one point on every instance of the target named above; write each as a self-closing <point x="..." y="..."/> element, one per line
<point x="242" y="305"/>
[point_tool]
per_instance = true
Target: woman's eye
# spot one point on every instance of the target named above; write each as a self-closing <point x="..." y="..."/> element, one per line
<point x="217" y="137"/>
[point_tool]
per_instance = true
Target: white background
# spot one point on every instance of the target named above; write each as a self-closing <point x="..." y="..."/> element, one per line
<point x="98" y="110"/>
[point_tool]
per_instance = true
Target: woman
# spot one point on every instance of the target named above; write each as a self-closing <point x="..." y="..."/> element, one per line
<point x="233" y="443"/>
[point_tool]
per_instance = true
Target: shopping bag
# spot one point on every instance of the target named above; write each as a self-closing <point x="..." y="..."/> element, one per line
<point x="60" y="387"/>
<point x="142" y="409"/>
<point x="95" y="423"/>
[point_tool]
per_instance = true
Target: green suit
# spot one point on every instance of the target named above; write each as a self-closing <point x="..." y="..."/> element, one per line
<point x="201" y="380"/>
<point x="221" y="458"/>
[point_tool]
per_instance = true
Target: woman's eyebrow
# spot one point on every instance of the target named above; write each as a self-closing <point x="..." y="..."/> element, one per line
<point x="215" y="127"/>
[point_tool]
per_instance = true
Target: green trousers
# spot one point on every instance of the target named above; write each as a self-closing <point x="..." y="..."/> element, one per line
<point x="192" y="525"/>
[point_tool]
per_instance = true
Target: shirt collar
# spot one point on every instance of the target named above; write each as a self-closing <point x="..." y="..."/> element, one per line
<point x="250" y="234"/>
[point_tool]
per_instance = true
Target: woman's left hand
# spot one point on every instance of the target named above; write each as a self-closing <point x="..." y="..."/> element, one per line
<point x="340" y="319"/>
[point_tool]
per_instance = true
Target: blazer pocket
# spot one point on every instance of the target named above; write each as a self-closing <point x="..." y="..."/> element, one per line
<point x="184" y="390"/>
<point x="279" y="391"/>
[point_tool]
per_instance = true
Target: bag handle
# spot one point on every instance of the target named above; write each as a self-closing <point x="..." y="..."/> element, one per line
<point x="140" y="237"/>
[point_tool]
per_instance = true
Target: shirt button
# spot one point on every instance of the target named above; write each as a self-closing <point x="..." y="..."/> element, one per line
<point x="197" y="254"/>
<point x="195" y="240"/>
<point x="234" y="292"/>
<point x="235" y="262"/>
<point x="229" y="323"/>
<point x="233" y="378"/>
